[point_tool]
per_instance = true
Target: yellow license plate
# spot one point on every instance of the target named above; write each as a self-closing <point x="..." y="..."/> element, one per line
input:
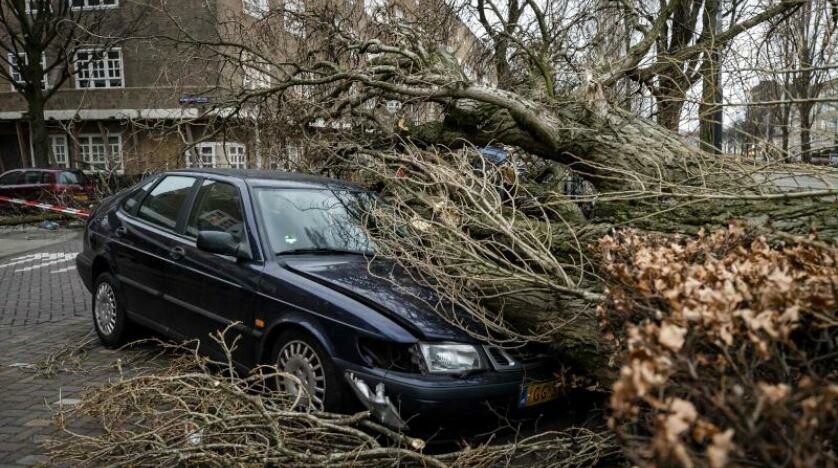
<point x="81" y="197"/>
<point x="537" y="393"/>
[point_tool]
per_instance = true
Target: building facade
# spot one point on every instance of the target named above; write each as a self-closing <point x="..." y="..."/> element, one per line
<point x="144" y="103"/>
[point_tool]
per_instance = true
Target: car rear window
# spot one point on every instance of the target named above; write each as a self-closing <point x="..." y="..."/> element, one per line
<point x="11" y="178"/>
<point x="163" y="204"/>
<point x="72" y="178"/>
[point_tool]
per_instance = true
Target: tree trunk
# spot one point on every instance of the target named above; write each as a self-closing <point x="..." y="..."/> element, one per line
<point x="805" y="132"/>
<point x="670" y="104"/>
<point x="38" y="129"/>
<point x="616" y="151"/>
<point x="708" y="109"/>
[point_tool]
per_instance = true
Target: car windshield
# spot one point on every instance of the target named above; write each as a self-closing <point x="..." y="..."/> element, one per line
<point x="72" y="178"/>
<point x="315" y="220"/>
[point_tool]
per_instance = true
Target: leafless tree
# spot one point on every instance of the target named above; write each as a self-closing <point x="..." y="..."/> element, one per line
<point x="810" y="42"/>
<point x="38" y="44"/>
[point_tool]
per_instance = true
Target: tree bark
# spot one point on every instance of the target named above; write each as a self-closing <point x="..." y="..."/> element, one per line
<point x="38" y="129"/>
<point x="805" y="111"/>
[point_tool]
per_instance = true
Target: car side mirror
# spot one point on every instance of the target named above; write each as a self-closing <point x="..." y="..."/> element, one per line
<point x="223" y="243"/>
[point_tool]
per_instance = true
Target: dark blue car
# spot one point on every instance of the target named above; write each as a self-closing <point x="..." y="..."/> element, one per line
<point x="284" y="260"/>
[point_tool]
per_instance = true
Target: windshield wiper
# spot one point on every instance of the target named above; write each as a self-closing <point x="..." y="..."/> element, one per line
<point x="322" y="251"/>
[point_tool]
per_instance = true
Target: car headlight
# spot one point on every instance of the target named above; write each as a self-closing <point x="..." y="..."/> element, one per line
<point x="450" y="357"/>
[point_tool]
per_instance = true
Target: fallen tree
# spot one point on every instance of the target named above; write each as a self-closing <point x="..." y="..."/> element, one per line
<point x="645" y="176"/>
<point x="511" y="249"/>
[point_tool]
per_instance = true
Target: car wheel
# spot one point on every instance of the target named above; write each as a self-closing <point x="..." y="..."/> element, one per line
<point x="299" y="354"/>
<point x="109" y="317"/>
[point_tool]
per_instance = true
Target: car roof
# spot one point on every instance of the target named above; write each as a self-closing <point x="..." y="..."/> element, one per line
<point x="266" y="177"/>
<point x="41" y="169"/>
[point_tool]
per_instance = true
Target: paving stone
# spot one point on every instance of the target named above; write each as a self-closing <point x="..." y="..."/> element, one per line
<point x="38" y="423"/>
<point x="32" y="460"/>
<point x="40" y="314"/>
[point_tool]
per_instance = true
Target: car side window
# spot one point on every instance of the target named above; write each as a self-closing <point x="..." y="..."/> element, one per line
<point x="33" y="177"/>
<point x="71" y="178"/>
<point x="162" y="205"/>
<point x="12" y="178"/>
<point x="217" y="208"/>
<point x="131" y="202"/>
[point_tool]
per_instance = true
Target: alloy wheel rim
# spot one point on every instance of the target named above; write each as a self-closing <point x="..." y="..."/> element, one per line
<point x="300" y="360"/>
<point x="105" y="308"/>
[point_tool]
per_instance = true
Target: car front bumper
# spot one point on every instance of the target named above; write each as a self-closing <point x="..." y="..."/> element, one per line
<point x="439" y="397"/>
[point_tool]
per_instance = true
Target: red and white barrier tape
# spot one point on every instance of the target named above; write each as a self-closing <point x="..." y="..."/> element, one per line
<point x="46" y="206"/>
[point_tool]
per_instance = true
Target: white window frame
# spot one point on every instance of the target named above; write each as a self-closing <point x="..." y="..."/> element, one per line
<point x="256" y="8"/>
<point x="86" y="152"/>
<point x="89" y="68"/>
<point x="393" y="106"/>
<point x="293" y="24"/>
<point x="257" y="72"/>
<point x="221" y="154"/>
<point x="87" y="5"/>
<point x="14" y="70"/>
<point x="371" y="7"/>
<point x="59" y="142"/>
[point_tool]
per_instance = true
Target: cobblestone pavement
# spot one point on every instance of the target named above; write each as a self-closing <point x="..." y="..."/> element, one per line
<point x="48" y="351"/>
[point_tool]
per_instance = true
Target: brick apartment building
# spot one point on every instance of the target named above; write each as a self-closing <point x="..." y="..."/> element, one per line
<point x="139" y="106"/>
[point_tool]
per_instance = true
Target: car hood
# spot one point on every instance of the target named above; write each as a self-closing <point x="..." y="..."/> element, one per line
<point x="385" y="287"/>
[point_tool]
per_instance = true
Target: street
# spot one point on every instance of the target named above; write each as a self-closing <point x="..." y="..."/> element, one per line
<point x="49" y="352"/>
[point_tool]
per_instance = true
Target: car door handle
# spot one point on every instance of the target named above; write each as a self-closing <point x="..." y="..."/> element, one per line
<point x="121" y="231"/>
<point x="177" y="253"/>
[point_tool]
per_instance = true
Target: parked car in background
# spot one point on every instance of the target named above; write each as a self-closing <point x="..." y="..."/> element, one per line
<point x="56" y="185"/>
<point x="285" y="261"/>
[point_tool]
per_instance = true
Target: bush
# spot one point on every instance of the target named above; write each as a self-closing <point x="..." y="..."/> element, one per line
<point x="729" y="348"/>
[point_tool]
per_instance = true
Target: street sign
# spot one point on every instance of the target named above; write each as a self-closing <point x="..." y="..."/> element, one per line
<point x="194" y="100"/>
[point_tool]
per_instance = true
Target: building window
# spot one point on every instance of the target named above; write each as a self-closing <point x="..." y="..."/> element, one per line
<point x="94" y="152"/>
<point x="14" y="68"/>
<point x="257" y="8"/>
<point x="394" y="106"/>
<point x="256" y="72"/>
<point x="217" y="154"/>
<point x="33" y="6"/>
<point x="99" y="68"/>
<point x="375" y="6"/>
<point x="294" y="17"/>
<point x="58" y="150"/>
<point x="295" y="155"/>
<point x="93" y="4"/>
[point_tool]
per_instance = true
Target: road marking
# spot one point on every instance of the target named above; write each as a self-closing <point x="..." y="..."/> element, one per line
<point x="68" y="401"/>
<point x="55" y="259"/>
<point x="63" y="270"/>
<point x="29" y="258"/>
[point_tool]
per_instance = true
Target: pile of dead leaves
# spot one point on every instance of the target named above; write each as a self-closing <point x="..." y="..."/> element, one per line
<point x="729" y="346"/>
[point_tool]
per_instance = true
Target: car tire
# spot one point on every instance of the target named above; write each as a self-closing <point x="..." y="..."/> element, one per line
<point x="299" y="353"/>
<point x="109" y="318"/>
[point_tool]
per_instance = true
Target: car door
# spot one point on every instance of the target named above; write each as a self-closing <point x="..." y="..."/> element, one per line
<point x="144" y="236"/>
<point x="9" y="181"/>
<point x="35" y="186"/>
<point x="212" y="291"/>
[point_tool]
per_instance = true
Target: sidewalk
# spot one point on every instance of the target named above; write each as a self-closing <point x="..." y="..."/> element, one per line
<point x="50" y="353"/>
